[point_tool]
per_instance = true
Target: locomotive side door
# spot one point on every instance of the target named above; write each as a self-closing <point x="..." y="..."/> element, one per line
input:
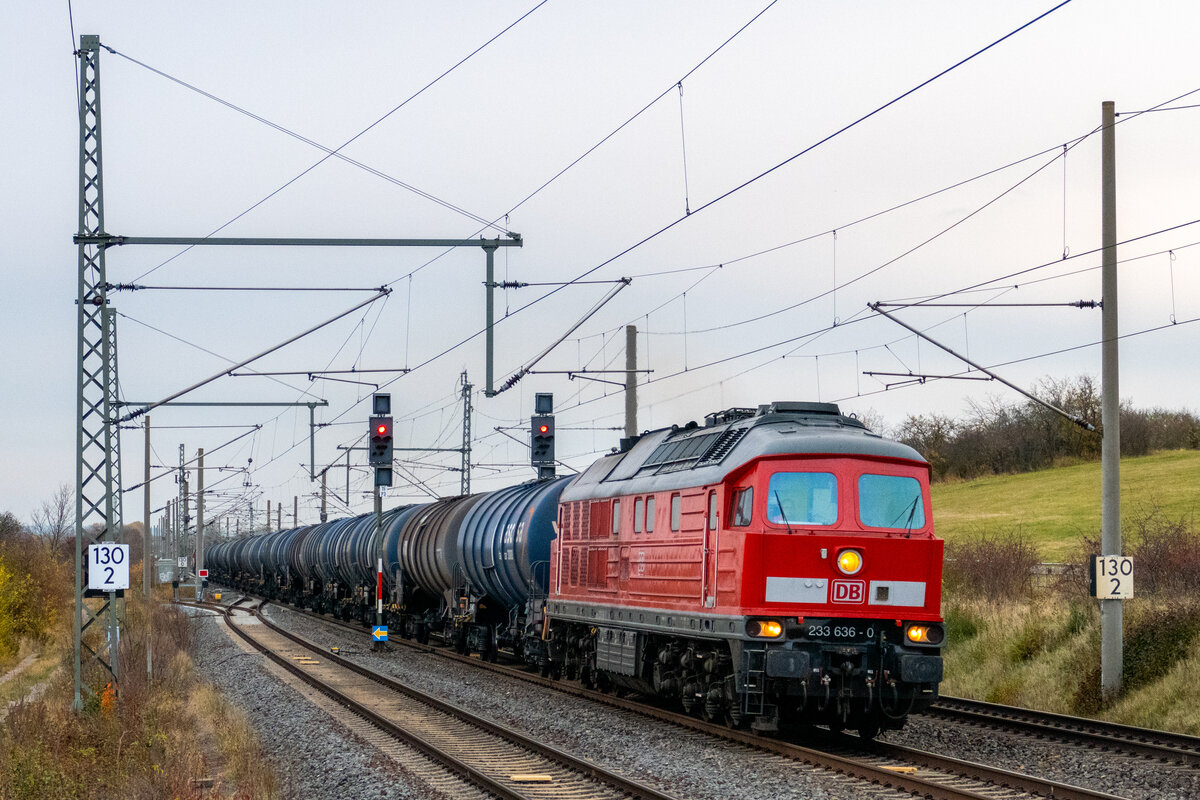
<point x="708" y="581"/>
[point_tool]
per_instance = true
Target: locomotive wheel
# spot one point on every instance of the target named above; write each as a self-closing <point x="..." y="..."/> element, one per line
<point x="868" y="727"/>
<point x="734" y="718"/>
<point x="712" y="707"/>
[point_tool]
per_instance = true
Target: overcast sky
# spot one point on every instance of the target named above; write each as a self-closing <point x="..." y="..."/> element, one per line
<point x="749" y="298"/>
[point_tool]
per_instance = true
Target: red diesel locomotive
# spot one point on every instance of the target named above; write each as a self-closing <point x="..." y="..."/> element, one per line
<point x="773" y="566"/>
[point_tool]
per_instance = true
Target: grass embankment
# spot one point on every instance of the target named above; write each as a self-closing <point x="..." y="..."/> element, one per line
<point x="1037" y="644"/>
<point x="1054" y="507"/>
<point x="155" y="741"/>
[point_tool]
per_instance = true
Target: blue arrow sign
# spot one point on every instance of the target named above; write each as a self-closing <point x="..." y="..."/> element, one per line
<point x="379" y="633"/>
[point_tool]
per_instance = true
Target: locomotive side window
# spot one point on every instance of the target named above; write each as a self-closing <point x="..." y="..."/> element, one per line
<point x="743" y="503"/>
<point x="676" y="511"/>
<point x="616" y="517"/>
<point x="712" y="511"/>
<point x="890" y="501"/>
<point x="649" y="515"/>
<point x="802" y="498"/>
<point x="639" y="510"/>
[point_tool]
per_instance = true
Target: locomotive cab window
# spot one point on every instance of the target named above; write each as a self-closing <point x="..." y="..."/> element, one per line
<point x="639" y="510"/>
<point x="743" y="502"/>
<point x="616" y="517"/>
<point x="802" y="498"/>
<point x="676" y="511"/>
<point x="890" y="501"/>
<point x="649" y="515"/>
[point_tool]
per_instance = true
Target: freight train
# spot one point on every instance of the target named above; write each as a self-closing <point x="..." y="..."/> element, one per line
<point x="772" y="566"/>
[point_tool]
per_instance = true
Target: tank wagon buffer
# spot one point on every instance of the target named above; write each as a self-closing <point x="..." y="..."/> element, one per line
<point x="773" y="566"/>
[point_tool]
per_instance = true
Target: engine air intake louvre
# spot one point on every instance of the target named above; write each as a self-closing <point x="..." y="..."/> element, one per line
<point x="722" y="446"/>
<point x="695" y="451"/>
<point x="678" y="454"/>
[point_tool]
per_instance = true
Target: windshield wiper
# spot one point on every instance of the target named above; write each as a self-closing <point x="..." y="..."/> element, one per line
<point x="783" y="511"/>
<point x="912" y="512"/>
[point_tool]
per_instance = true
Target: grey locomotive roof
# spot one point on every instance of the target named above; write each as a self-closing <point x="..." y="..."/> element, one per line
<point x="675" y="458"/>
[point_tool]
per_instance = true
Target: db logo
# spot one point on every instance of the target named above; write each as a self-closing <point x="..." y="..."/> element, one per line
<point x="849" y="591"/>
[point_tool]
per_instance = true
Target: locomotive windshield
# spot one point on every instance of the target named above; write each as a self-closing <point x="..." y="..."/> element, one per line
<point x="890" y="501"/>
<point x="802" y="498"/>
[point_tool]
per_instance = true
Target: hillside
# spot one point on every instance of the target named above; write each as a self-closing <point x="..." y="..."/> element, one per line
<point x="1054" y="507"/>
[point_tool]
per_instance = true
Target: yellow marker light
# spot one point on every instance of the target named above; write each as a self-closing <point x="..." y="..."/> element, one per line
<point x="764" y="628"/>
<point x="925" y="634"/>
<point x="849" y="562"/>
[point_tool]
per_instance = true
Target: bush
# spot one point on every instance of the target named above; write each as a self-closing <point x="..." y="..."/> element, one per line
<point x="961" y="626"/>
<point x="1166" y="555"/>
<point x="994" y="566"/>
<point x="1002" y="438"/>
<point x="1156" y="639"/>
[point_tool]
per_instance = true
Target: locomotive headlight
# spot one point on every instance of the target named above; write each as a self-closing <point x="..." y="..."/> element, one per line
<point x="849" y="562"/>
<point x="764" y="628"/>
<point x="925" y="634"/>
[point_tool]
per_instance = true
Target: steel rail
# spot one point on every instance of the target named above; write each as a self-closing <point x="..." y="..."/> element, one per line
<point x="1165" y="745"/>
<point x="879" y="775"/>
<point x="622" y="785"/>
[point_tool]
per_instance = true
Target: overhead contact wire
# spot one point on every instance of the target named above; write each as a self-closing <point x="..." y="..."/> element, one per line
<point x="361" y="133"/>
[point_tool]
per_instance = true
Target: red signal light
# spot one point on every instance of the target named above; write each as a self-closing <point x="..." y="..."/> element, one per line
<point x="382" y="430"/>
<point x="544" y="429"/>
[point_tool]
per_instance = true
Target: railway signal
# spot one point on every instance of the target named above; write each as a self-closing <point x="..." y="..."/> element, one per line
<point x="541" y="439"/>
<point x="379" y="438"/>
<point x="379" y="448"/>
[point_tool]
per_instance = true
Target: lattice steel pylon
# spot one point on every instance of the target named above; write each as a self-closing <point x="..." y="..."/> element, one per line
<point x="97" y="469"/>
<point x="465" y="482"/>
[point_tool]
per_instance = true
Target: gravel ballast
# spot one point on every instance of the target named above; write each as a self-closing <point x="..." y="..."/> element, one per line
<point x="315" y="757"/>
<point x="687" y="764"/>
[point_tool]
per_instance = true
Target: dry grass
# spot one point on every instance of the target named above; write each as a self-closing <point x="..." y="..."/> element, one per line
<point x="150" y="745"/>
<point x="1043" y="651"/>
<point x="245" y="764"/>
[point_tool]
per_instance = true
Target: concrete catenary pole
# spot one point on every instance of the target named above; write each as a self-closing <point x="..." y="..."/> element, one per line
<point x="630" y="381"/>
<point x="147" y="555"/>
<point x="1111" y="611"/>
<point x="147" y="562"/>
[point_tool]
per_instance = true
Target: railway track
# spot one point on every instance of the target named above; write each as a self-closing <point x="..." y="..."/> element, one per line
<point x="1174" y="748"/>
<point x="495" y="759"/>
<point x="877" y="764"/>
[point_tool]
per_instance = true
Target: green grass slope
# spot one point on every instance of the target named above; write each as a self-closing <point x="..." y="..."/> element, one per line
<point x="1053" y="508"/>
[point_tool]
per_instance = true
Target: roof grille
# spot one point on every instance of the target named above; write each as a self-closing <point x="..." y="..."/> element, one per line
<point x="722" y="446"/>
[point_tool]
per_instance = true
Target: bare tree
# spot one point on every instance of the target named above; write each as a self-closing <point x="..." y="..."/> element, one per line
<point x="54" y="521"/>
<point x="10" y="527"/>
